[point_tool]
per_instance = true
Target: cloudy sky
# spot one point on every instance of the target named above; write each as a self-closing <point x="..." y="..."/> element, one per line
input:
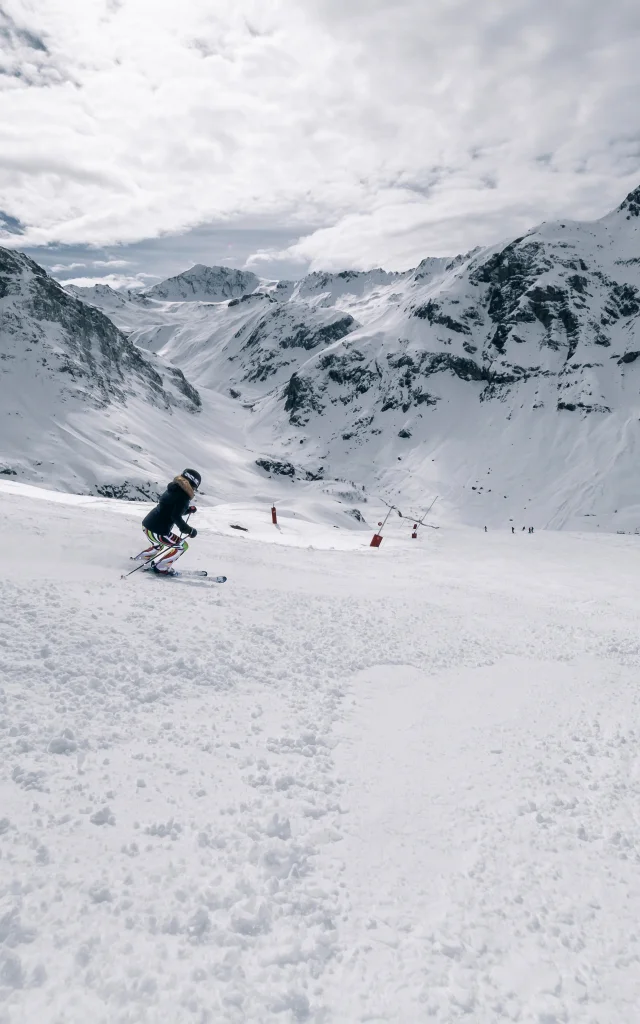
<point x="138" y="137"/>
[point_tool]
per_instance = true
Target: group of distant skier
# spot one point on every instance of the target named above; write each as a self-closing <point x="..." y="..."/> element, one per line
<point x="529" y="529"/>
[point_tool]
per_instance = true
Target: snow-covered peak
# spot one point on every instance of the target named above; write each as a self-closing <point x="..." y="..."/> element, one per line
<point x="430" y="268"/>
<point x="326" y="289"/>
<point x="101" y="295"/>
<point x="631" y="205"/>
<point x="205" y="284"/>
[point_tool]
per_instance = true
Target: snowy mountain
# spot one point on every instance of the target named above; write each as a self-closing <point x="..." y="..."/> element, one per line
<point x="85" y="409"/>
<point x="199" y="284"/>
<point x="103" y="296"/>
<point x="502" y="380"/>
<point x="205" y="284"/>
<point x="66" y="373"/>
<point x="71" y="338"/>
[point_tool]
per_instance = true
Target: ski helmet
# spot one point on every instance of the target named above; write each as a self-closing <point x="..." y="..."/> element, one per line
<point x="193" y="477"/>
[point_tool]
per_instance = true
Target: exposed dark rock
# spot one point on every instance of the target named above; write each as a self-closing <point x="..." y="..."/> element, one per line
<point x="513" y="269"/>
<point x="288" y="328"/>
<point x="432" y="313"/>
<point x="625" y="299"/>
<point x="281" y="467"/>
<point x="128" y="491"/>
<point x="578" y="283"/>
<point x="181" y="383"/>
<point x="310" y="337"/>
<point x="424" y="398"/>
<point x="631" y="205"/>
<point x="300" y="399"/>
<point x="276" y="466"/>
<point x="348" y="369"/>
<point x="253" y="297"/>
<point x="500" y="336"/>
<point x="583" y="406"/>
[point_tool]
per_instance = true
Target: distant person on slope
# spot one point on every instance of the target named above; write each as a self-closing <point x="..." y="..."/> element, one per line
<point x="159" y="523"/>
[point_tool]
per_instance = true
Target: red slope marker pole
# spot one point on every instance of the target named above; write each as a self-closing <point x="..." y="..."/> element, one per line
<point x="376" y="540"/>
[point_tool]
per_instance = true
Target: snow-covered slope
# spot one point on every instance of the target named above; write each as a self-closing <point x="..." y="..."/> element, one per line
<point x="85" y="409"/>
<point x="504" y="380"/>
<point x="73" y="388"/>
<point x="101" y="295"/>
<point x="326" y="792"/>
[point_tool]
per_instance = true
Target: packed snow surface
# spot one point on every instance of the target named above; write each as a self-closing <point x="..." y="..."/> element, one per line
<point x="396" y="785"/>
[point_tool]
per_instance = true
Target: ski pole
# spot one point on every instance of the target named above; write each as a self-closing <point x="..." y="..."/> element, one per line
<point x="143" y="564"/>
<point x="167" y="547"/>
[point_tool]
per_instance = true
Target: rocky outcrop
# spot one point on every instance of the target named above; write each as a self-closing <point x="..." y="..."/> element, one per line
<point x="76" y="345"/>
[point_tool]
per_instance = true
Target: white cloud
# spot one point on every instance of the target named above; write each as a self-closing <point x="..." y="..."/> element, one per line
<point x="264" y="257"/>
<point x="117" y="281"/>
<point x="64" y="268"/>
<point x="396" y="128"/>
<point x="110" y="263"/>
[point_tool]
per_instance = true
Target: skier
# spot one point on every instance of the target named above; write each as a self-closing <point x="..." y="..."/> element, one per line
<point x="159" y="523"/>
<point x="513" y="529"/>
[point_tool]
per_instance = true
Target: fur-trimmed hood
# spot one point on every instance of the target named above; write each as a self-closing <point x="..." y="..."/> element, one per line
<point x="182" y="481"/>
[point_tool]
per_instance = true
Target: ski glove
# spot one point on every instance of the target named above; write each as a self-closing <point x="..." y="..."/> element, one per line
<point x="191" y="509"/>
<point x="193" y="532"/>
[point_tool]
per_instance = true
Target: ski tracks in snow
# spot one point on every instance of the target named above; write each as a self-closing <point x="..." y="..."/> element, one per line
<point x="167" y="793"/>
<point x="497" y="881"/>
<point x="321" y="794"/>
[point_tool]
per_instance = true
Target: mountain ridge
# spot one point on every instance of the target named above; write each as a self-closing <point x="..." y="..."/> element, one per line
<point x="63" y="361"/>
<point x="515" y="361"/>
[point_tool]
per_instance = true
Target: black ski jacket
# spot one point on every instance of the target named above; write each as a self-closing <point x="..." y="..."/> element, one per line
<point x="169" y="511"/>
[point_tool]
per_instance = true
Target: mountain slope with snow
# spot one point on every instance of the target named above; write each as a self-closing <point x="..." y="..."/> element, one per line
<point x="85" y="409"/>
<point x="349" y="785"/>
<point x="504" y="380"/>
<point x="72" y="386"/>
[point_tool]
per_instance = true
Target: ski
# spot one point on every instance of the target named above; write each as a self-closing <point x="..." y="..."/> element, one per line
<point x="188" y="574"/>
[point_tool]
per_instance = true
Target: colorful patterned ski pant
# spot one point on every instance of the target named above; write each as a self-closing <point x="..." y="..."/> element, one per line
<point x="174" y="544"/>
